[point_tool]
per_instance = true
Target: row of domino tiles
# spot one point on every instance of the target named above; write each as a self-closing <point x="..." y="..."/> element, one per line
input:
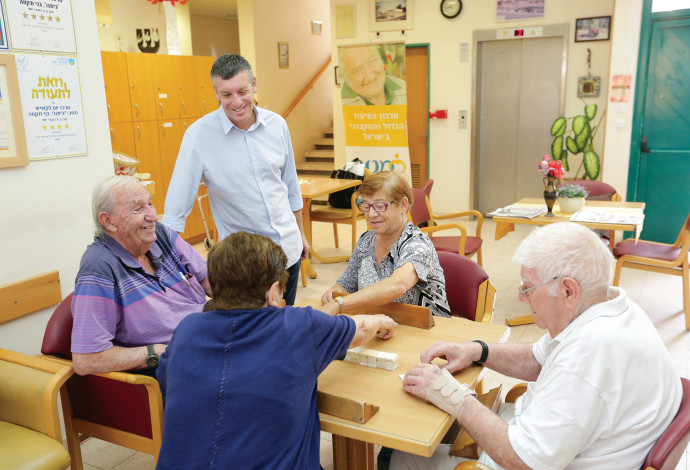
<point x="371" y="358"/>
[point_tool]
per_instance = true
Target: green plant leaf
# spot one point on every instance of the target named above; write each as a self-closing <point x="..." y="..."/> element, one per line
<point x="557" y="148"/>
<point x="571" y="145"/>
<point x="579" y="123"/>
<point x="564" y="161"/>
<point x="558" y="126"/>
<point x="592" y="164"/>
<point x="591" y="111"/>
<point x="582" y="139"/>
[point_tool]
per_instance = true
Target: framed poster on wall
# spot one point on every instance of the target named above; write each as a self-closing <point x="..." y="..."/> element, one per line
<point x="12" y="138"/>
<point x="386" y="15"/>
<point x="41" y="26"/>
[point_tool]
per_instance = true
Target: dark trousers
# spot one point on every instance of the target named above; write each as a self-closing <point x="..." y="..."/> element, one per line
<point x="291" y="286"/>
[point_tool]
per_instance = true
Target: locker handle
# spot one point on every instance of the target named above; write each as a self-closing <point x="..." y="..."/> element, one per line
<point x="163" y="126"/>
<point x="161" y="104"/>
<point x="184" y="107"/>
<point x="110" y="112"/>
<point x="139" y="131"/>
<point x="203" y="102"/>
<point x="112" y="132"/>
<point x="136" y="107"/>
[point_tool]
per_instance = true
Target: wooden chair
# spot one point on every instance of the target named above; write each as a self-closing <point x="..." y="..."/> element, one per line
<point x="666" y="451"/>
<point x="30" y="437"/>
<point x="118" y="407"/>
<point x="466" y="245"/>
<point x="470" y="293"/>
<point x="337" y="216"/>
<point x="658" y="257"/>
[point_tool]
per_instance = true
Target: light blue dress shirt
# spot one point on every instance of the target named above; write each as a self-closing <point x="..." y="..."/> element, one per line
<point x="250" y="175"/>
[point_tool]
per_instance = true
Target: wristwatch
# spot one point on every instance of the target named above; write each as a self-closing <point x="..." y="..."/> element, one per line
<point x="485" y="352"/>
<point x="341" y="302"/>
<point x="152" y="357"/>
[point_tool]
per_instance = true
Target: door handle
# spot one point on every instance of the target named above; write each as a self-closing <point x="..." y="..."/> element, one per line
<point x="643" y="146"/>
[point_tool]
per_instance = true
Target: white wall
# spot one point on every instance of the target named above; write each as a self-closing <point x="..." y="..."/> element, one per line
<point x="127" y="17"/>
<point x="451" y="80"/>
<point x="45" y="207"/>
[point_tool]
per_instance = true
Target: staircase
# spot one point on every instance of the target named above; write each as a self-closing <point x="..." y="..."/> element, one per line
<point x="320" y="161"/>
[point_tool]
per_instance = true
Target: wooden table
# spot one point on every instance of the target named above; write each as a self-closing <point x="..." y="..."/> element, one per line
<point x="317" y="186"/>
<point x="505" y="225"/>
<point x="403" y="422"/>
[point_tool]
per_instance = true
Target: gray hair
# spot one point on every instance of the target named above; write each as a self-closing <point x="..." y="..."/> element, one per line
<point x="103" y="200"/>
<point x="567" y="249"/>
<point x="227" y="66"/>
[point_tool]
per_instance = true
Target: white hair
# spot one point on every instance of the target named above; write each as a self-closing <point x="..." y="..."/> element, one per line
<point x="103" y="200"/>
<point x="567" y="249"/>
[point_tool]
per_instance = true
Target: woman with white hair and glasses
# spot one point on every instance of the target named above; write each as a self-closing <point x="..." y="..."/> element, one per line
<point x="394" y="261"/>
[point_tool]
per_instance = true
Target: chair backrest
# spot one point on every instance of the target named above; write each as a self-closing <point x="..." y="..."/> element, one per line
<point x="598" y="190"/>
<point x="427" y="187"/>
<point x="670" y="447"/>
<point x="466" y="286"/>
<point x="57" y="340"/>
<point x="419" y="211"/>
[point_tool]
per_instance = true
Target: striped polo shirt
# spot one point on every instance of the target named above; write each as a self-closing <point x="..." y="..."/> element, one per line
<point x="118" y="303"/>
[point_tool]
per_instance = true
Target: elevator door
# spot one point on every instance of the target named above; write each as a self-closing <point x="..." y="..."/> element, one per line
<point x="518" y="97"/>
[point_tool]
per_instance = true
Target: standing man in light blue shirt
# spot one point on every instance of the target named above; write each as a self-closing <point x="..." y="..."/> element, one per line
<point x="244" y="156"/>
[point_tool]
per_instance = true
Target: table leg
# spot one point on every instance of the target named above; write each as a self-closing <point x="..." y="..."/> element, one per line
<point x="503" y="229"/>
<point x="520" y="320"/>
<point x="351" y="454"/>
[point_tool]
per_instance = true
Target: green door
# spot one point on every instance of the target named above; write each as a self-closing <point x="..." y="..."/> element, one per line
<point x="660" y="154"/>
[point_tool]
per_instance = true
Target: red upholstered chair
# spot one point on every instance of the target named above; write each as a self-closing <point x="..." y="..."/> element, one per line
<point x="658" y="257"/>
<point x="427" y="188"/>
<point x="464" y="244"/>
<point x="118" y="407"/>
<point x="470" y="293"/>
<point x="598" y="190"/>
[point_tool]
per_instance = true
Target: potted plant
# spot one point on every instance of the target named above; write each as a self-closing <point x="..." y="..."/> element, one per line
<point x="571" y="197"/>
<point x="577" y="140"/>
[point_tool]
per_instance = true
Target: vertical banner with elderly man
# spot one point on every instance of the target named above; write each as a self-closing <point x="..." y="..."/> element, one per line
<point x="374" y="99"/>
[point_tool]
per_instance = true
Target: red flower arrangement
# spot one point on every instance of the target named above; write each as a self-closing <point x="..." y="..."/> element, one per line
<point x="551" y="167"/>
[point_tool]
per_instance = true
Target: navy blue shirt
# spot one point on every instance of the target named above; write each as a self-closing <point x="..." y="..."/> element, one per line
<point x="240" y="387"/>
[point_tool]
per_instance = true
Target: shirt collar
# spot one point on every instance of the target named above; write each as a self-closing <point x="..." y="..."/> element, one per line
<point x="228" y="124"/>
<point x="123" y="255"/>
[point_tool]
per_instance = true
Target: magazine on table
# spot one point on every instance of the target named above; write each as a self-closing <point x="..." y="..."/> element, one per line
<point x="522" y="212"/>
<point x="605" y="217"/>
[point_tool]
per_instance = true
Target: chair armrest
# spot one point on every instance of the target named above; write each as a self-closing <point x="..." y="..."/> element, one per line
<point x="469" y="465"/>
<point x="515" y="392"/>
<point x="438" y="228"/>
<point x="477" y="214"/>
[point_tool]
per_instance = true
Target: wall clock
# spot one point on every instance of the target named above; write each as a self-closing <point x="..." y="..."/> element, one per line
<point x="451" y="8"/>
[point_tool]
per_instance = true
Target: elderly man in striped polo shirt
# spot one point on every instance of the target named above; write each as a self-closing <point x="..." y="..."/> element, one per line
<point x="136" y="281"/>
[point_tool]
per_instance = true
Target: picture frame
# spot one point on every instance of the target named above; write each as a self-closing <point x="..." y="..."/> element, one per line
<point x="283" y="55"/>
<point x="588" y="87"/>
<point x="316" y="27"/>
<point x="12" y="138"/>
<point x="390" y="15"/>
<point x="516" y="10"/>
<point x="597" y="28"/>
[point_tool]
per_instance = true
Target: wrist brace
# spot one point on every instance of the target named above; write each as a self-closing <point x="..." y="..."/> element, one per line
<point x="447" y="393"/>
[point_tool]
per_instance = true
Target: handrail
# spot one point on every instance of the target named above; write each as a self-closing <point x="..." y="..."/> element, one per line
<point x="306" y="88"/>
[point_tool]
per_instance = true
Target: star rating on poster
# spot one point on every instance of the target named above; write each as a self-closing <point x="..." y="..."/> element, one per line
<point x="41" y="17"/>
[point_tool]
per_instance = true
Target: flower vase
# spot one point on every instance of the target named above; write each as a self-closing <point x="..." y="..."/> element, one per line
<point x="550" y="193"/>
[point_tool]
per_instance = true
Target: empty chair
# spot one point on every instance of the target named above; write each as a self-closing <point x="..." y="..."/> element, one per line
<point x="466" y="245"/>
<point x="598" y="190"/>
<point x="658" y="257"/>
<point x="470" y="293"/>
<point x="118" y="407"/>
<point x="30" y="436"/>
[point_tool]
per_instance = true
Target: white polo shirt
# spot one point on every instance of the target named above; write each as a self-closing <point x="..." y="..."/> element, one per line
<point x="607" y="390"/>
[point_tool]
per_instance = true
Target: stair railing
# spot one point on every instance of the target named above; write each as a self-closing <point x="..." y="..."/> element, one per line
<point x="307" y="88"/>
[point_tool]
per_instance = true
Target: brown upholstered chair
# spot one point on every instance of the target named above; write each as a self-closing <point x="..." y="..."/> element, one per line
<point x="666" y="451"/>
<point x="466" y="245"/>
<point x="30" y="437"/>
<point x="470" y="293"/>
<point x="658" y="257"/>
<point x="118" y="407"/>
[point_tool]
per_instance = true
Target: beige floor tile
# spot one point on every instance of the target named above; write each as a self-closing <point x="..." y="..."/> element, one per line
<point x="104" y="455"/>
<point x="138" y="461"/>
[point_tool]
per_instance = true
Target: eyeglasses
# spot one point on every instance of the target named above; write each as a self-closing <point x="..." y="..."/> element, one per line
<point x="522" y="290"/>
<point x="378" y="206"/>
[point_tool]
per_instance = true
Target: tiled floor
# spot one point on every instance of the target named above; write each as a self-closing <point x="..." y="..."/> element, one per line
<point x="660" y="295"/>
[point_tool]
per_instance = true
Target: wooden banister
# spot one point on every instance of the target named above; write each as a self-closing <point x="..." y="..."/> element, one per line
<point x="306" y="88"/>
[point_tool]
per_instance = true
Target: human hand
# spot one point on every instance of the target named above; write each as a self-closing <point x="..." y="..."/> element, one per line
<point x="305" y="248"/>
<point x="328" y="295"/>
<point x="419" y="378"/>
<point x="458" y="355"/>
<point x="386" y="326"/>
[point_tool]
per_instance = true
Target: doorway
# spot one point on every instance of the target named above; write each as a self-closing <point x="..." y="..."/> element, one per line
<point x="520" y="89"/>
<point x="417" y="76"/>
<point x="660" y="149"/>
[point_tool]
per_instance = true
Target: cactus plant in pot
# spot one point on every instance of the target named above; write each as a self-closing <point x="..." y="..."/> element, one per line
<point x="577" y="140"/>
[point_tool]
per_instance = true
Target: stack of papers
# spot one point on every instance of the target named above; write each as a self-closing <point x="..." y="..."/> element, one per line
<point x="605" y="217"/>
<point x="522" y="212"/>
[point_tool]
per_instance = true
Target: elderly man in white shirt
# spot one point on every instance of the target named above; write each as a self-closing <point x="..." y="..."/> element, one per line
<point x="244" y="155"/>
<point x="602" y="386"/>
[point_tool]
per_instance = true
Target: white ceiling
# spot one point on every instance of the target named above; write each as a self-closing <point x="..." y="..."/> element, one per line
<point x="216" y="8"/>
